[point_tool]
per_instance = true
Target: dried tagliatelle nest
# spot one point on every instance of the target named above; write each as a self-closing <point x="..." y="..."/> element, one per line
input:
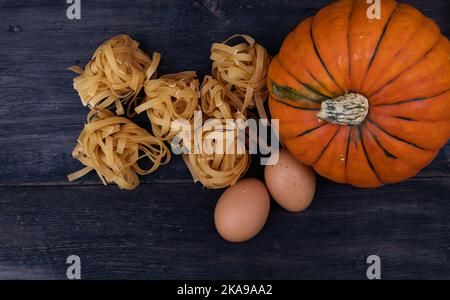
<point x="222" y="159"/>
<point x="215" y="102"/>
<point x="168" y="98"/>
<point x="115" y="74"/>
<point x="113" y="147"/>
<point x="238" y="84"/>
<point x="218" y="157"/>
<point x="242" y="68"/>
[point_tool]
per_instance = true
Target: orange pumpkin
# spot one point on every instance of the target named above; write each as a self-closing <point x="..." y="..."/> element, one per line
<point x="365" y="102"/>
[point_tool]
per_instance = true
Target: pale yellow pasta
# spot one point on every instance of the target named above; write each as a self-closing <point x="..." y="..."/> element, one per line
<point x="215" y="103"/>
<point x="242" y="68"/>
<point x="238" y="84"/>
<point x="113" y="147"/>
<point x="115" y="74"/>
<point x="224" y="163"/>
<point x="168" y="98"/>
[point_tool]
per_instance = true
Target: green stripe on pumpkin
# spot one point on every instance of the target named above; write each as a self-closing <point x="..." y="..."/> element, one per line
<point x="287" y="93"/>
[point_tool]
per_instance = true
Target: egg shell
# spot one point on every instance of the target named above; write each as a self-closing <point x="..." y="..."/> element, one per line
<point x="291" y="183"/>
<point x="242" y="210"/>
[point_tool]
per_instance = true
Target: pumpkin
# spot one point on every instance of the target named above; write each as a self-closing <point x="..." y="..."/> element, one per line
<point x="365" y="102"/>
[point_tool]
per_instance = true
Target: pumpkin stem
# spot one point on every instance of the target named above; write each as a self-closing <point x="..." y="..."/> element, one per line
<point x="350" y="109"/>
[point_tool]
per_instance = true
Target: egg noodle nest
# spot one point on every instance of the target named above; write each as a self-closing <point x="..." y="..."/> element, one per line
<point x="113" y="146"/>
<point x="115" y="74"/>
<point x="119" y="70"/>
<point x="169" y="98"/>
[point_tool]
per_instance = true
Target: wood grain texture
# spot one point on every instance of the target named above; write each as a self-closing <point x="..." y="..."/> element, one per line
<point x="158" y="232"/>
<point x="164" y="229"/>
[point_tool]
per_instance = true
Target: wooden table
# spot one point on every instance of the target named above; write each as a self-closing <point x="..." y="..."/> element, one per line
<point x="164" y="229"/>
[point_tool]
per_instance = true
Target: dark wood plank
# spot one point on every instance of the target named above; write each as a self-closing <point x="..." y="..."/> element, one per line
<point x="41" y="115"/>
<point x="160" y="232"/>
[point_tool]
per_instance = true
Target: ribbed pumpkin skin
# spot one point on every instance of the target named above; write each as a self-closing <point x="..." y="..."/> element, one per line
<point x="400" y="63"/>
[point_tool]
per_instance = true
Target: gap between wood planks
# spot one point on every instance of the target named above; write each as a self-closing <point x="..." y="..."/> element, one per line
<point x="81" y="184"/>
<point x="418" y="178"/>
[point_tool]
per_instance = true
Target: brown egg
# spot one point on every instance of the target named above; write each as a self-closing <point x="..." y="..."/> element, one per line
<point x="242" y="210"/>
<point x="291" y="183"/>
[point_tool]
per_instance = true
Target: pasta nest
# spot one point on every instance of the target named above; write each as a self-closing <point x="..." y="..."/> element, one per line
<point x="226" y="159"/>
<point x="242" y="68"/>
<point x="113" y="147"/>
<point x="115" y="74"/>
<point x="218" y="157"/>
<point x="216" y="103"/>
<point x="169" y="98"/>
<point x="238" y="83"/>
